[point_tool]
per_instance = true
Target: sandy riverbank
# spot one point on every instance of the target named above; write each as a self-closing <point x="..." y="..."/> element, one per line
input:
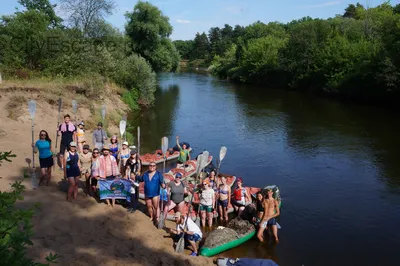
<point x="83" y="232"/>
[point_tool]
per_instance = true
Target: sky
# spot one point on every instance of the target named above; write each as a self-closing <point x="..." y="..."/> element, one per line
<point x="191" y="16"/>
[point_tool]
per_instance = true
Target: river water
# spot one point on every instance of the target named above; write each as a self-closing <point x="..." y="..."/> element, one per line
<point x="337" y="164"/>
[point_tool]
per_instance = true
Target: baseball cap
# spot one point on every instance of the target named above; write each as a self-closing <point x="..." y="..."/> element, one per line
<point x="125" y="143"/>
<point x="72" y="144"/>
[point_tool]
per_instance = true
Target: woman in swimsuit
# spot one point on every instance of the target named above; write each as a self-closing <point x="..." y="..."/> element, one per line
<point x="72" y="171"/>
<point x="259" y="208"/>
<point x="80" y="133"/>
<point x="114" y="147"/>
<point x="177" y="192"/>
<point x="224" y="199"/>
<point x="124" y="155"/>
<point x="241" y="196"/>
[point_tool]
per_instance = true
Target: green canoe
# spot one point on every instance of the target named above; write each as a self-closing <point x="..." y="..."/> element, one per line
<point x="209" y="252"/>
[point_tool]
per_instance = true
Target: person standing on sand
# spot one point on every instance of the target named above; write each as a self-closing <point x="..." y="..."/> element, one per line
<point x="68" y="135"/>
<point x="177" y="193"/>
<point x="123" y="156"/>
<point x="133" y="164"/>
<point x="99" y="136"/>
<point x="95" y="171"/>
<point x="134" y="193"/>
<point x="184" y="153"/>
<point x="85" y="159"/>
<point x="152" y="181"/>
<point x="72" y="171"/>
<point x="192" y="232"/>
<point x="114" y="147"/>
<point x="80" y="133"/>
<point x="164" y="199"/>
<point x="43" y="146"/>
<point x="108" y="169"/>
<point x="271" y="210"/>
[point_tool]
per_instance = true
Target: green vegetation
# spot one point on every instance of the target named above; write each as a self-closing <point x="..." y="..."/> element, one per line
<point x="352" y="56"/>
<point x="36" y="43"/>
<point x="16" y="226"/>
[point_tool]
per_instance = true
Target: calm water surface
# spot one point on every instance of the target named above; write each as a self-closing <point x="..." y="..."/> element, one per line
<point x="337" y="165"/>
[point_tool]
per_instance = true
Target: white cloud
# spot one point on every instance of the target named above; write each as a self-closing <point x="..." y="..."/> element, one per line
<point x="183" y="21"/>
<point x="331" y="3"/>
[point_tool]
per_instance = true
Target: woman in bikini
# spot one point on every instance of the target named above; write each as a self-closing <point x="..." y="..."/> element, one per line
<point x="124" y="155"/>
<point x="80" y="133"/>
<point x="224" y="199"/>
<point x="114" y="147"/>
<point x="72" y="170"/>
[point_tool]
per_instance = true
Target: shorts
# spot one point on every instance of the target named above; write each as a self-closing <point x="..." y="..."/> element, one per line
<point x="194" y="237"/>
<point x="223" y="203"/>
<point x="239" y="203"/>
<point x="206" y="208"/>
<point x="164" y="203"/>
<point x="84" y="171"/>
<point x="46" y="162"/>
<point x="271" y="221"/>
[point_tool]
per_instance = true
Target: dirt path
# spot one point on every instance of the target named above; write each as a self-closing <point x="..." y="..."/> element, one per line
<point x="83" y="232"/>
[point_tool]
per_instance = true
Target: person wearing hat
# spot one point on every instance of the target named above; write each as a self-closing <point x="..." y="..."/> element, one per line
<point x="99" y="136"/>
<point x="108" y="168"/>
<point x="193" y="234"/>
<point x="133" y="164"/>
<point x="123" y="156"/>
<point x="177" y="191"/>
<point x="85" y="159"/>
<point x="241" y="196"/>
<point x="72" y="170"/>
<point x="68" y="135"/>
<point x="80" y="133"/>
<point x="271" y="210"/>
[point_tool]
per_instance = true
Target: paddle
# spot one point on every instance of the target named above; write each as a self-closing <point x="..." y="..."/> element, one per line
<point x="74" y="108"/>
<point x="58" y="126"/>
<point x="202" y="161"/>
<point x="103" y="116"/>
<point x="32" y="112"/>
<point x="164" y="148"/>
<point x="122" y="127"/>
<point x="138" y="140"/>
<point x="222" y="153"/>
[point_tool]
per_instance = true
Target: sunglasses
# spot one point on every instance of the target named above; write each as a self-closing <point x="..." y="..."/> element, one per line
<point x="96" y="152"/>
<point x="43" y="135"/>
<point x="152" y="165"/>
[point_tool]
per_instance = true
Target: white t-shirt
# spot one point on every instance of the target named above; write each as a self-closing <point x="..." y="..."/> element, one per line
<point x="191" y="226"/>
<point x="207" y="197"/>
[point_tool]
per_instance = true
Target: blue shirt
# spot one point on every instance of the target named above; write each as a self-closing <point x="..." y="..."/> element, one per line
<point x="163" y="194"/>
<point x="152" y="187"/>
<point x="44" y="148"/>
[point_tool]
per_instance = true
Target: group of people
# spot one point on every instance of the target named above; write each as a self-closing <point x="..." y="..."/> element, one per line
<point x="108" y="162"/>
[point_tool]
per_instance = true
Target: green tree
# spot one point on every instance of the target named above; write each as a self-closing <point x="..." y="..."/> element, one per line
<point x="201" y="49"/>
<point x="184" y="48"/>
<point x="149" y="31"/>
<point x="44" y="7"/>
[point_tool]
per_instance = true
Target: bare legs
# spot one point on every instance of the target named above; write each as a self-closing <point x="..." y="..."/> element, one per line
<point x="112" y="202"/>
<point x="223" y="213"/>
<point x="209" y="216"/>
<point x="260" y="233"/>
<point x="73" y="188"/>
<point x="46" y="176"/>
<point x="152" y="208"/>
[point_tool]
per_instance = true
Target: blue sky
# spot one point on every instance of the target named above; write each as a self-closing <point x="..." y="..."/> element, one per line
<point x="191" y="16"/>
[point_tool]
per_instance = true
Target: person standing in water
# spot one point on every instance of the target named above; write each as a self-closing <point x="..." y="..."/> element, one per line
<point x="224" y="199"/>
<point x="241" y="197"/>
<point x="68" y="135"/>
<point x="43" y="146"/>
<point x="85" y="159"/>
<point x="72" y="170"/>
<point x="207" y="203"/>
<point x="80" y="133"/>
<point x="99" y="136"/>
<point x="271" y="210"/>
<point x="184" y="153"/>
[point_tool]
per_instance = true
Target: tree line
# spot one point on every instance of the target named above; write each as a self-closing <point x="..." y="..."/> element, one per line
<point x="354" y="55"/>
<point x="37" y="42"/>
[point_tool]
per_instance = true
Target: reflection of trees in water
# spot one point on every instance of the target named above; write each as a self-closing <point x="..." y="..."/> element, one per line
<point x="314" y="125"/>
<point x="156" y="122"/>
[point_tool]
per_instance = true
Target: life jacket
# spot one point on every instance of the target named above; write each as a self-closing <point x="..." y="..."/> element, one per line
<point x="237" y="193"/>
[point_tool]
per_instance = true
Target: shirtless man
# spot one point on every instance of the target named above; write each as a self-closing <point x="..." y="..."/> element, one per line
<point x="271" y="210"/>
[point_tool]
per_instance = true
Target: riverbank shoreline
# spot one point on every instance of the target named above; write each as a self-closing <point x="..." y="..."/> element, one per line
<point x="84" y="232"/>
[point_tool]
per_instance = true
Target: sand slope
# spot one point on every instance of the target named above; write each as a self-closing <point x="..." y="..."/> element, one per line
<point x="83" y="232"/>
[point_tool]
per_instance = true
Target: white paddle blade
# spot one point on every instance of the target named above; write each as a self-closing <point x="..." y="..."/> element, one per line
<point x="32" y="108"/>
<point x="122" y="127"/>
<point x="103" y="112"/>
<point x="222" y="153"/>
<point x="74" y="106"/>
<point x="204" y="163"/>
<point x="164" y="145"/>
<point x="199" y="163"/>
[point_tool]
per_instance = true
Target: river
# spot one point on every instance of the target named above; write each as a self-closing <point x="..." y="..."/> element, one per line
<point x="337" y="164"/>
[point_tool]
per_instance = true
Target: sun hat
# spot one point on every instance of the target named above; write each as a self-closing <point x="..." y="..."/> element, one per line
<point x="86" y="147"/>
<point x="72" y="144"/>
<point x="81" y="123"/>
<point x="125" y="143"/>
<point x="105" y="148"/>
<point x="133" y="152"/>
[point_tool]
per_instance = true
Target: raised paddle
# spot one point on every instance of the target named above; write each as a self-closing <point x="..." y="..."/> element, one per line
<point x="58" y="126"/>
<point x="222" y="154"/>
<point x="138" y="140"/>
<point x="32" y="112"/>
<point x="164" y="148"/>
<point x="74" y="108"/>
<point x="103" y="112"/>
<point x="122" y="128"/>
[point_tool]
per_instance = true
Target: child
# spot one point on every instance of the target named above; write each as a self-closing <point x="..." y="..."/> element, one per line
<point x="134" y="192"/>
<point x="164" y="200"/>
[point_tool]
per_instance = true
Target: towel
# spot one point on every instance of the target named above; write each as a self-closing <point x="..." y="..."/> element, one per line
<point x="63" y="127"/>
